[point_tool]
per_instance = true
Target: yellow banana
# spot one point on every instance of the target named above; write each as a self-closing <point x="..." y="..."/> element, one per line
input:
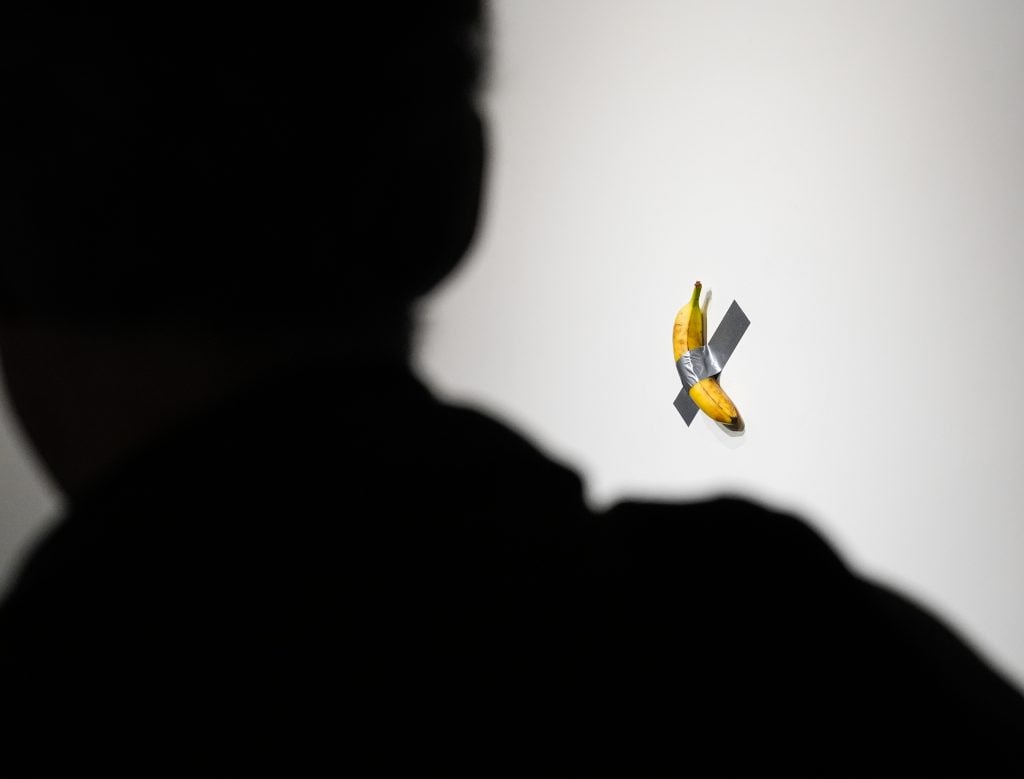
<point x="687" y="334"/>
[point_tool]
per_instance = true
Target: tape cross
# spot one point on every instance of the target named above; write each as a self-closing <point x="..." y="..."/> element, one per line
<point x="709" y="360"/>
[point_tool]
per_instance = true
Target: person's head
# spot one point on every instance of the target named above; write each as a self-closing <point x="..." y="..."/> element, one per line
<point x="234" y="166"/>
<point x="193" y="193"/>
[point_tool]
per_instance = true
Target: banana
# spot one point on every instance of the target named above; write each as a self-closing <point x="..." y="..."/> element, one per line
<point x="688" y="333"/>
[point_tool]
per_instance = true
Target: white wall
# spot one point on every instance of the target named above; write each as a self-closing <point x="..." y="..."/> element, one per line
<point x="28" y="501"/>
<point x="853" y="174"/>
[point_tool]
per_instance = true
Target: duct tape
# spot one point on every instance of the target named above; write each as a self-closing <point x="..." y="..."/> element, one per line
<point x="709" y="360"/>
<point x="697" y="364"/>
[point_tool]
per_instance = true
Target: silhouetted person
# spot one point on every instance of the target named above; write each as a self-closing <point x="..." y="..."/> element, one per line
<point x="215" y="220"/>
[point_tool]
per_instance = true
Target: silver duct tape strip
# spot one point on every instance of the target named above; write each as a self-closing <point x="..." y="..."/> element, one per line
<point x="685" y="406"/>
<point x="697" y="364"/>
<point x="730" y="331"/>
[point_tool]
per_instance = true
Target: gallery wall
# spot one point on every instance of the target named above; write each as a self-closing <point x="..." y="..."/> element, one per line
<point x="853" y="175"/>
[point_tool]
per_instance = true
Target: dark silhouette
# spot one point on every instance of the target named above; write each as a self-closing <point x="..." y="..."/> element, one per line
<point x="215" y="218"/>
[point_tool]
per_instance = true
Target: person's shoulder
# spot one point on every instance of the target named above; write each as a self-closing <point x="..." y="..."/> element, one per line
<point x="488" y="445"/>
<point x="765" y="600"/>
<point x="729" y="529"/>
<point x="735" y="568"/>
